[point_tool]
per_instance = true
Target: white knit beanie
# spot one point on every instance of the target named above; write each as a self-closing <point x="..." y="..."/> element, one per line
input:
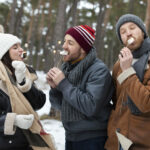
<point x="6" y="42"/>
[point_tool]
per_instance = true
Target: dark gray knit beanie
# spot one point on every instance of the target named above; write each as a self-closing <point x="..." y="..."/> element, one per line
<point x="130" y="18"/>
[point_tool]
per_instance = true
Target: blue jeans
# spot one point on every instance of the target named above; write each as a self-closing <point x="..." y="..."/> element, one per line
<point x="90" y="144"/>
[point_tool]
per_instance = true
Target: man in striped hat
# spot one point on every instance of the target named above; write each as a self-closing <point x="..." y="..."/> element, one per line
<point x="82" y="91"/>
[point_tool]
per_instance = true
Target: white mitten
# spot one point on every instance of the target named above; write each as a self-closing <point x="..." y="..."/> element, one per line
<point x="20" y="69"/>
<point x="24" y="121"/>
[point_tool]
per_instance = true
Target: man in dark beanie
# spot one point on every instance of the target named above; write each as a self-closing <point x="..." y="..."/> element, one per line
<point x="82" y="91"/>
<point x="129" y="124"/>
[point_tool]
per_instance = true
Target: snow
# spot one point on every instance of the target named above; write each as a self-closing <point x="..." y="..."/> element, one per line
<point x="53" y="127"/>
<point x="46" y="108"/>
<point x="42" y="85"/>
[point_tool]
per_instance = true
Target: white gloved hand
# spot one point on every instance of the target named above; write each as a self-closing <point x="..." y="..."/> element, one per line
<point x="24" y="121"/>
<point x="20" y="69"/>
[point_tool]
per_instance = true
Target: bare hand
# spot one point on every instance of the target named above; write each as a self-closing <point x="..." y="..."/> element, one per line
<point x="50" y="80"/>
<point x="125" y="58"/>
<point x="56" y="75"/>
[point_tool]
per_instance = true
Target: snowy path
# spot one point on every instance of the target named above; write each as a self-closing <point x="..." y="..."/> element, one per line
<point x="55" y="128"/>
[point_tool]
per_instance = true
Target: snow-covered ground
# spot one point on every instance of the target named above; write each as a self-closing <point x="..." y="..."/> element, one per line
<point x="54" y="127"/>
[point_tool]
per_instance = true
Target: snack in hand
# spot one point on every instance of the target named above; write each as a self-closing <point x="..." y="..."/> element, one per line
<point x="24" y="55"/>
<point x="130" y="41"/>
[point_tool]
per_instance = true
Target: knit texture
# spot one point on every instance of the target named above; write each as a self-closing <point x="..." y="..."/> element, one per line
<point x="6" y="42"/>
<point x="74" y="75"/>
<point x="130" y="18"/>
<point x="84" y="35"/>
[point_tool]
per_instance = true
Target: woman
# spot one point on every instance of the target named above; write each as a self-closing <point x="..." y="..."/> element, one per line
<point x="20" y="128"/>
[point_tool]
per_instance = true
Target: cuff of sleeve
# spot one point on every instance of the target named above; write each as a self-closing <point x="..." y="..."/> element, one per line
<point x="25" y="87"/>
<point x="62" y="84"/>
<point x="54" y="90"/>
<point x="125" y="74"/>
<point x="9" y="128"/>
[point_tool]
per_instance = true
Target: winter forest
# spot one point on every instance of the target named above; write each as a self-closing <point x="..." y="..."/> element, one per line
<point x="41" y="25"/>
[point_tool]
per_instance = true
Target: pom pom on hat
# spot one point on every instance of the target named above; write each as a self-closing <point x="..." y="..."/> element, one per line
<point x="6" y="42"/>
<point x="130" y="18"/>
<point x="84" y="35"/>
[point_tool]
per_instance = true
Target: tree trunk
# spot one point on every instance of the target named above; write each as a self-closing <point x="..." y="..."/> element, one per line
<point x="147" y="18"/>
<point x="100" y="29"/>
<point x="60" y="23"/>
<point x="46" y="42"/>
<point x="18" y="20"/>
<point x="32" y="35"/>
<point x="131" y="6"/>
<point x="74" y="12"/>
<point x="40" y="37"/>
<point x="29" y="35"/>
<point x="106" y="53"/>
<point x="30" y="26"/>
<point x="12" y="17"/>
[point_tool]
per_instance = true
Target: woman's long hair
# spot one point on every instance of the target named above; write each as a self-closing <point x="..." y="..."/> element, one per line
<point x="7" y="61"/>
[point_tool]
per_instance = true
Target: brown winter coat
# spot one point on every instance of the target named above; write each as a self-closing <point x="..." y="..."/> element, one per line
<point x="135" y="128"/>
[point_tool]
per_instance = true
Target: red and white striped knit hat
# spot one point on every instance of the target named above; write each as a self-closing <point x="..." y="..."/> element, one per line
<point x="84" y="35"/>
